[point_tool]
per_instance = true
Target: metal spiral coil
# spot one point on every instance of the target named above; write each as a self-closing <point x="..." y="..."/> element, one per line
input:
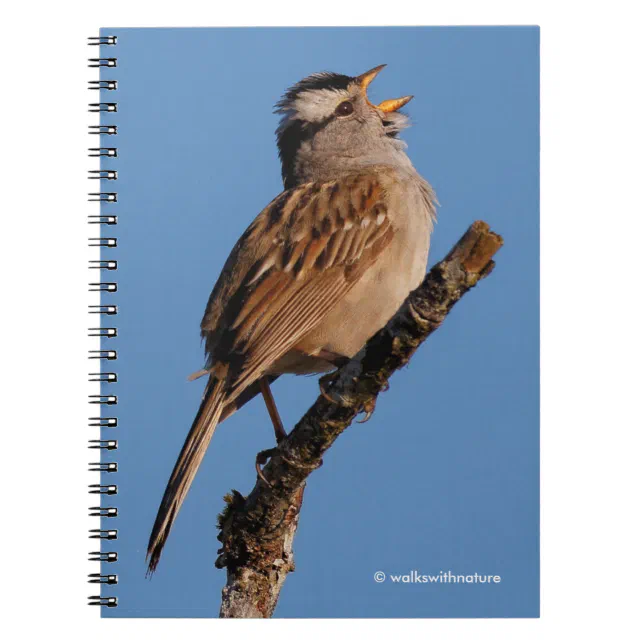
<point x="101" y="62"/>
<point x="106" y="264"/>
<point x="106" y="535"/>
<point x="102" y="354"/>
<point x="97" y="488"/>
<point x="103" y="512"/>
<point x="103" y="467"/>
<point x="102" y="422"/>
<point x="96" y="600"/>
<point x="102" y="332"/>
<point x="99" y="444"/>
<point x="104" y="556"/>
<point x="101" y="40"/>
<point x="102" y="309"/>
<point x="97" y="578"/>
<point x="108" y="220"/>
<point x="111" y="130"/>
<point x="103" y="377"/>
<point x="102" y="152"/>
<point x="102" y="196"/>
<point x="110" y="175"/>
<point x="103" y="84"/>
<point x="98" y="399"/>
<point x="107" y="287"/>
<point x="103" y="107"/>
<point x="102" y="241"/>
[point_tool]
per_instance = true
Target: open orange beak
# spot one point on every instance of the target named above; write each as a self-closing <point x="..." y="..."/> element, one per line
<point x="391" y="104"/>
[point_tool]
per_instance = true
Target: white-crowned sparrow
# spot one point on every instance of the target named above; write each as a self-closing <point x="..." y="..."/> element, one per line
<point x="323" y="266"/>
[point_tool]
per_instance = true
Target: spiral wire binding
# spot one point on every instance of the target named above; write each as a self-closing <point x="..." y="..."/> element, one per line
<point x="102" y="152"/>
<point x="108" y="220"/>
<point x="106" y="445"/>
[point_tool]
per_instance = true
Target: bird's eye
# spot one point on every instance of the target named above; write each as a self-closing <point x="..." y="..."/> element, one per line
<point x="344" y="109"/>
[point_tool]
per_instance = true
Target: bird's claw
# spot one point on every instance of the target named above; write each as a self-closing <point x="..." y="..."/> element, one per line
<point x="326" y="380"/>
<point x="261" y="459"/>
<point x="368" y="408"/>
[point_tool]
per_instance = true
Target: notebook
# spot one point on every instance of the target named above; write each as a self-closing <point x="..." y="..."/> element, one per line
<point x="300" y="229"/>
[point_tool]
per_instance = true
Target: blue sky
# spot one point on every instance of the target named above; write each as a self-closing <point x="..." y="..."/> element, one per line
<point x="445" y="474"/>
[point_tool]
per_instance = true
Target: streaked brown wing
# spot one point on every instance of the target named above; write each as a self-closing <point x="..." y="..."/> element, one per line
<point x="299" y="257"/>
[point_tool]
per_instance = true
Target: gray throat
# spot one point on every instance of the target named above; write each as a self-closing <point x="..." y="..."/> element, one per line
<point x="309" y="164"/>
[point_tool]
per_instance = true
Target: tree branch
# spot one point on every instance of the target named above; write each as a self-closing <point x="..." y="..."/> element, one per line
<point x="257" y="531"/>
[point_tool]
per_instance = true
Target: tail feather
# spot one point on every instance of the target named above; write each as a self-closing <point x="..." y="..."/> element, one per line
<point x="186" y="467"/>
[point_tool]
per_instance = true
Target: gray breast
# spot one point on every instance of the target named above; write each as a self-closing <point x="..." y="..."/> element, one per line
<point x="384" y="286"/>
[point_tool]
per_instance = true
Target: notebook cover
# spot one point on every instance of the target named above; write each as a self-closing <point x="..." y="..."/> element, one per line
<point x="440" y="487"/>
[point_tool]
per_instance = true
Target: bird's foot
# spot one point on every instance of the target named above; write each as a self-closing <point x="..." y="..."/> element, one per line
<point x="368" y="408"/>
<point x="327" y="381"/>
<point x="261" y="459"/>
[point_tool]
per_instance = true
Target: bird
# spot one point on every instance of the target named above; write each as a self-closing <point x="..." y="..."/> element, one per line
<point x="321" y="268"/>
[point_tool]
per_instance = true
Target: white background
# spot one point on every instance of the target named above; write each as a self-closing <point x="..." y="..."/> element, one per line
<point x="592" y="294"/>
